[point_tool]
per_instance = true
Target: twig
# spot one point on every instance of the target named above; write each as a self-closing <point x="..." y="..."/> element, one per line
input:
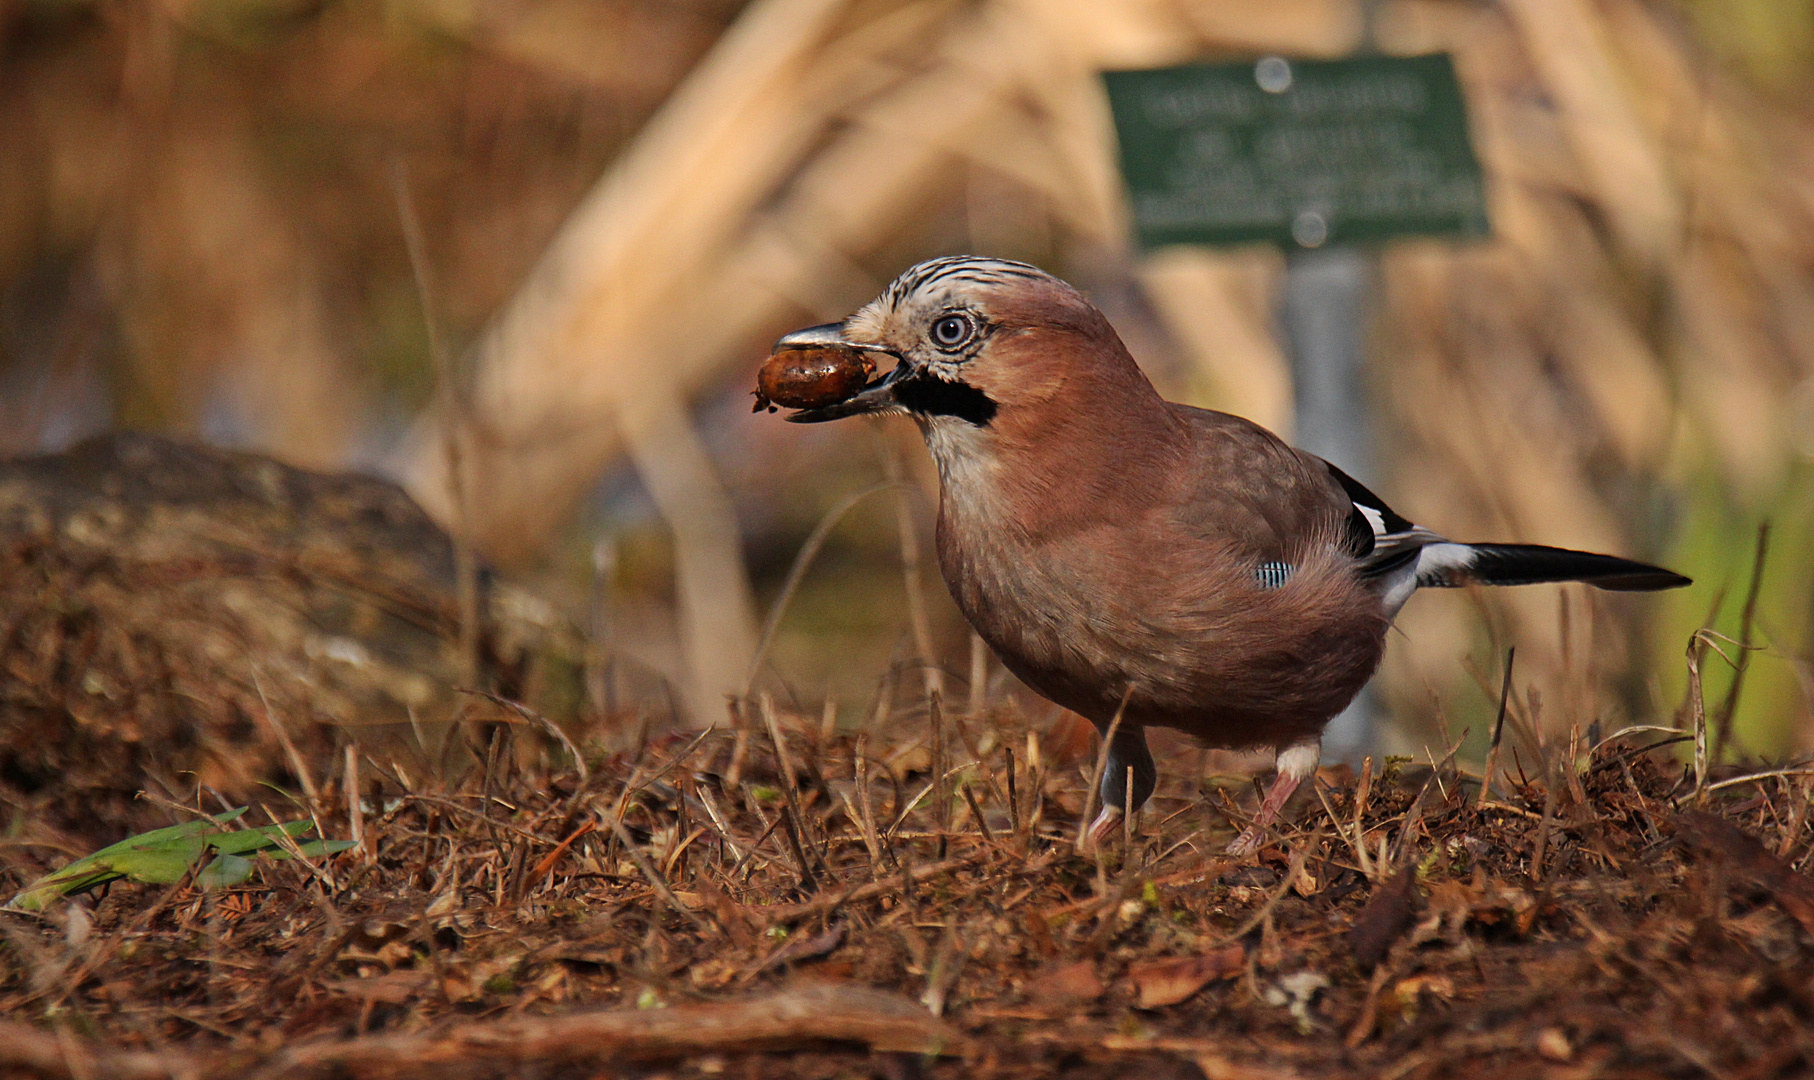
<point x="546" y="863"/>
<point x="1723" y="726"/>
<point x="1102" y="764"/>
<point x="1492" y="755"/>
<point x="866" y="815"/>
<point x="1549" y="817"/>
<point x="1356" y="842"/>
<point x="864" y="831"/>
<point x="754" y="848"/>
<point x="941" y="795"/>
<point x="1127" y="813"/>
<point x="790" y="786"/>
<point x="355" y="813"/>
<point x="1794" y="770"/>
<point x="61" y="1053"/>
<point x="579" y="761"/>
<point x="656" y="881"/>
<point x="722" y="827"/>
<point x="908" y="808"/>
<point x="1013" y="791"/>
<point x="1697" y="714"/>
<point x="1637" y="729"/>
<point x="1522" y="726"/>
<point x="1296" y="867"/>
<point x="919" y="797"/>
<point x="487" y="819"/>
<point x="1369" y="1014"/>
<point x="797" y="1018"/>
<point x="808" y="880"/>
<point x="910" y="571"/>
<point x="637" y="783"/>
<point x="976" y="812"/>
<point x="451" y="400"/>
<point x="947" y="964"/>
<point x="289" y="748"/>
<point x="908" y="876"/>
<point x="680" y="850"/>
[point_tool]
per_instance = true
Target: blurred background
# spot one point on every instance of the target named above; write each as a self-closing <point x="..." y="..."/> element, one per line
<point x="524" y="257"/>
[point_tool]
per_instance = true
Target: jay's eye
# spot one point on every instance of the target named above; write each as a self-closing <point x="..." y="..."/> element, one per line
<point x="951" y="331"/>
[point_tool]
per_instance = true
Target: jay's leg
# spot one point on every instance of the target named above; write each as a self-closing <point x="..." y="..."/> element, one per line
<point x="1295" y="763"/>
<point x="1127" y="750"/>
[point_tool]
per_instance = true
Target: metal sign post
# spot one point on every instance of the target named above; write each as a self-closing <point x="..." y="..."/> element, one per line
<point x="1317" y="157"/>
<point x="1324" y="318"/>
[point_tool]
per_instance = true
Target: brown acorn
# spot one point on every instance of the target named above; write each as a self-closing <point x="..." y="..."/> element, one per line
<point x="811" y="378"/>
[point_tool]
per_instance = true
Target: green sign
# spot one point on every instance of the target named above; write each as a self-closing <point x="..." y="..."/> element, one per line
<point x="1298" y="152"/>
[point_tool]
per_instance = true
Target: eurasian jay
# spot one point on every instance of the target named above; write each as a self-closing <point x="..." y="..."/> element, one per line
<point x="1124" y="554"/>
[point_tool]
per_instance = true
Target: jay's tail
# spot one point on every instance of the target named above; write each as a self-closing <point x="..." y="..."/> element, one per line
<point x="1448" y="564"/>
<point x="1386" y="545"/>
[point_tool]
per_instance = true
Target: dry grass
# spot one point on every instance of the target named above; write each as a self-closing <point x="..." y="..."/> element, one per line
<point x="819" y="914"/>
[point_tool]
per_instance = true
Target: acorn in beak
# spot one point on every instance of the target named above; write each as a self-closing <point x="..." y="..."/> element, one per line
<point x="808" y="365"/>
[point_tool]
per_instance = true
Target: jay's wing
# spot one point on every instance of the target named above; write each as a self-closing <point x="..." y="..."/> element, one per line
<point x="1376" y="535"/>
<point x="1257" y="497"/>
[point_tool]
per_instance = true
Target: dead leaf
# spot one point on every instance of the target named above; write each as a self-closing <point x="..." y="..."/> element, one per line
<point x="457" y="982"/>
<point x="1167" y="982"/>
<point x="1306" y="884"/>
<point x="1070" y="738"/>
<point x="444" y="905"/>
<point x="1066" y="985"/>
<point x="1386" y="916"/>
<point x="1409" y="993"/>
<point x="1553" y="1044"/>
<point x="1457" y="904"/>
<point x="713" y="974"/>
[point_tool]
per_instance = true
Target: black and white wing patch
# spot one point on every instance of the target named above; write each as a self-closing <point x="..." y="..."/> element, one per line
<point x="1376" y="535"/>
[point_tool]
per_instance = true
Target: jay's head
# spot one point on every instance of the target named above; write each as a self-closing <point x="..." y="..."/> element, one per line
<point x="979" y="342"/>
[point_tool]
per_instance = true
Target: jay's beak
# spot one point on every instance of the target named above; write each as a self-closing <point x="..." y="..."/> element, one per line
<point x="878" y="396"/>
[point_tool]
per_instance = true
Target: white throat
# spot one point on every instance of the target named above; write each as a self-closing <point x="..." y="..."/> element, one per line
<point x="965" y="456"/>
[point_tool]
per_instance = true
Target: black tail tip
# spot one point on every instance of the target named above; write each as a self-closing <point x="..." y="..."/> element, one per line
<point x="1527" y="564"/>
<point x="1653" y="579"/>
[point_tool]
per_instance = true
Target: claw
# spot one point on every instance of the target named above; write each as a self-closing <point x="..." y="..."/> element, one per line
<point x="1106" y="824"/>
<point x="1247" y="843"/>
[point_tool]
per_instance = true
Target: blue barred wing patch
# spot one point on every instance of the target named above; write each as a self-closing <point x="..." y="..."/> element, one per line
<point x="1271" y="575"/>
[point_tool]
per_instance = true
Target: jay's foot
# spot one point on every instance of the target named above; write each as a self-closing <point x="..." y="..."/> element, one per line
<point x="1107" y="824"/>
<point x="1295" y="763"/>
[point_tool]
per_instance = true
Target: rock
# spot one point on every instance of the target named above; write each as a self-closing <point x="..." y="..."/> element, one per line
<point x="155" y="596"/>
